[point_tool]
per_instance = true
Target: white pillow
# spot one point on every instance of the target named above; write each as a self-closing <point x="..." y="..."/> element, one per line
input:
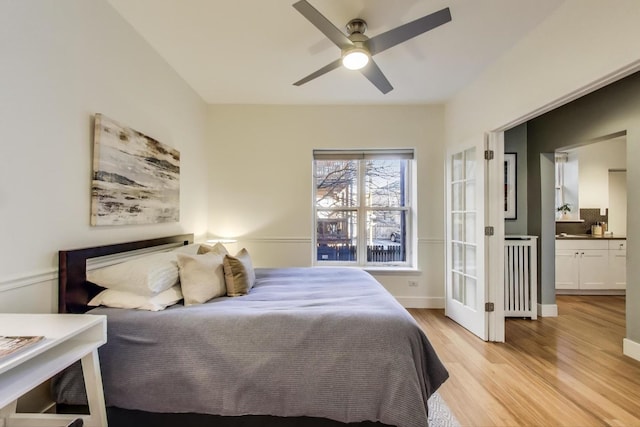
<point x="124" y="299"/>
<point x="201" y="277"/>
<point x="147" y="276"/>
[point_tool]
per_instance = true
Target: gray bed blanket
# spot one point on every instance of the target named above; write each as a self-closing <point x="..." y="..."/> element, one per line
<point x="319" y="342"/>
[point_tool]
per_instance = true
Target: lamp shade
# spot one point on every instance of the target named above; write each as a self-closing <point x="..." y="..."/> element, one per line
<point x="355" y="59"/>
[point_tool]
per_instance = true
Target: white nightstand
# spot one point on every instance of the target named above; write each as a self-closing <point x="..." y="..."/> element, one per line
<point x="68" y="338"/>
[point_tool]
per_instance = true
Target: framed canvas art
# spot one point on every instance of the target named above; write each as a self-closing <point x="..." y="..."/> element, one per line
<point x="136" y="179"/>
<point x="510" y="191"/>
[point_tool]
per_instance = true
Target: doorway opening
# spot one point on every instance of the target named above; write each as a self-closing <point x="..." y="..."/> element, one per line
<point x="594" y="121"/>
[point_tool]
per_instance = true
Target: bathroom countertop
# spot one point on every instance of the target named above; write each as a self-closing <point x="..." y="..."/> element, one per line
<point x="564" y="236"/>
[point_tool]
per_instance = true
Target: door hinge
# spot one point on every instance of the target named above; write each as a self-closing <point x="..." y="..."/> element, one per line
<point x="488" y="231"/>
<point x="488" y="307"/>
<point x="488" y="154"/>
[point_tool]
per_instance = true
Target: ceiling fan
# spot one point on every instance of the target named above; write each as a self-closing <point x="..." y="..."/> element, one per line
<point x="358" y="49"/>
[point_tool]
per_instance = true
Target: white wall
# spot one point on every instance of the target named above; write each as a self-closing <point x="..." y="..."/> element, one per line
<point x="617" y="203"/>
<point x="583" y="42"/>
<point x="594" y="162"/>
<point x="62" y="62"/>
<point x="260" y="163"/>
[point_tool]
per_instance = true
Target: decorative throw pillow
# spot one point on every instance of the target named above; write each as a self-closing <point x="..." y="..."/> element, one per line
<point x="218" y="248"/>
<point x="148" y="275"/>
<point x="238" y="273"/>
<point x="123" y="299"/>
<point x="201" y="277"/>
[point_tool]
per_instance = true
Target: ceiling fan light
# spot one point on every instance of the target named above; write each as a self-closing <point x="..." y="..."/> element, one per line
<point x="355" y="59"/>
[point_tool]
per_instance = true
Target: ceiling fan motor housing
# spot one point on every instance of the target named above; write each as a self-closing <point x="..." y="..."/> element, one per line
<point x="356" y="25"/>
<point x="356" y="28"/>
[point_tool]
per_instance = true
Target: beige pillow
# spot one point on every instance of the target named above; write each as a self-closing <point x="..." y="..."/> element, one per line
<point x="238" y="273"/>
<point x="201" y="277"/>
<point x="218" y="248"/>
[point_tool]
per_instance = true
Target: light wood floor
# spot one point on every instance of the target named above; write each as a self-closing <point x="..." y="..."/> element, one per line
<point x="562" y="371"/>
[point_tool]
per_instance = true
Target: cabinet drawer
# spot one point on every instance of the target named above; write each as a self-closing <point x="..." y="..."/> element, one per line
<point x="582" y="244"/>
<point x="617" y="245"/>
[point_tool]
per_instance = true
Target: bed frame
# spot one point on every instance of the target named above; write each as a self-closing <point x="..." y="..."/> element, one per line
<point x="75" y="292"/>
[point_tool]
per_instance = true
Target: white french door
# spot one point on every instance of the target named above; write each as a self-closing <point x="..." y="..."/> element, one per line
<point x="465" y="240"/>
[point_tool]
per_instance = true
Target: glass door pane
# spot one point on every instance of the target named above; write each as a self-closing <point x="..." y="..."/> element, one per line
<point x="463" y="222"/>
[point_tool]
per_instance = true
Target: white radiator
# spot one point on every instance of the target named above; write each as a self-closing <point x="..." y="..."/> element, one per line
<point x="521" y="276"/>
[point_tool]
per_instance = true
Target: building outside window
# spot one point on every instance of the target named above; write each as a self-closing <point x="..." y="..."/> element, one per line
<point x="363" y="212"/>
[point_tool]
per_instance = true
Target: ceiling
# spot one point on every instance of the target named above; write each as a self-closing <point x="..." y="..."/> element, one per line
<point x="251" y="51"/>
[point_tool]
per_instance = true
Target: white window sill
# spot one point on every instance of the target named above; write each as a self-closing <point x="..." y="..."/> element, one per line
<point x="382" y="270"/>
<point x="389" y="270"/>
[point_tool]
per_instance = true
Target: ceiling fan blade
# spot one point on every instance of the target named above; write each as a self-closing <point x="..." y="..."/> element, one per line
<point x="407" y="31"/>
<point x="323" y="24"/>
<point x="332" y="66"/>
<point x="375" y="76"/>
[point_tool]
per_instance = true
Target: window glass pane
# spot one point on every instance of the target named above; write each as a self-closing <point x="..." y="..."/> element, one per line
<point x="457" y="256"/>
<point x="470" y="292"/>
<point x="457" y="284"/>
<point x="457" y="227"/>
<point x="457" y="201"/>
<point x="336" y="183"/>
<point x="386" y="236"/>
<point x="470" y="227"/>
<point x="470" y="260"/>
<point x="470" y="163"/>
<point x="385" y="183"/>
<point x="470" y="195"/>
<point x="336" y="235"/>
<point x="457" y="169"/>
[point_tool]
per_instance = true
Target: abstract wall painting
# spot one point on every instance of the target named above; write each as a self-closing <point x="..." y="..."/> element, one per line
<point x="136" y="179"/>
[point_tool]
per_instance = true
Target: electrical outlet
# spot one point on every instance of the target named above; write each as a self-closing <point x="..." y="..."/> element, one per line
<point x="413" y="283"/>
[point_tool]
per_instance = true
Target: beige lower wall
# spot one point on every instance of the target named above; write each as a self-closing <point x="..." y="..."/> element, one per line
<point x="34" y="293"/>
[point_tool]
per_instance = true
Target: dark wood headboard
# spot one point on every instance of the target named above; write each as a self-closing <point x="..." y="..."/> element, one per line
<point x="74" y="292"/>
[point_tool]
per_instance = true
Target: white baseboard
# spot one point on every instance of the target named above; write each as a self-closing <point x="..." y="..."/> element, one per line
<point x="547" y="310"/>
<point x="631" y="348"/>
<point x="421" y="302"/>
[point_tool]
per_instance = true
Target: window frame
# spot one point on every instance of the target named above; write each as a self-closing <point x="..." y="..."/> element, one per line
<point x="362" y="209"/>
<point x="560" y="160"/>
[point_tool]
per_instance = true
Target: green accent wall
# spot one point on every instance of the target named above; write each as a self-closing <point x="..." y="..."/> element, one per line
<point x="515" y="141"/>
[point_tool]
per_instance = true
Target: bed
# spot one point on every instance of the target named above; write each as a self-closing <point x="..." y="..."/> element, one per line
<point x="305" y="347"/>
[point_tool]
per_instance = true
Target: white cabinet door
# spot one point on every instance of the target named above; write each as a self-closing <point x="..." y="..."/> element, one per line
<point x="594" y="269"/>
<point x="591" y="264"/>
<point x="567" y="269"/>
<point x="618" y="264"/>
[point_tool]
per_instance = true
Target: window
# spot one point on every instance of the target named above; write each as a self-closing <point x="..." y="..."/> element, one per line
<point x="362" y="212"/>
<point x="560" y="162"/>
